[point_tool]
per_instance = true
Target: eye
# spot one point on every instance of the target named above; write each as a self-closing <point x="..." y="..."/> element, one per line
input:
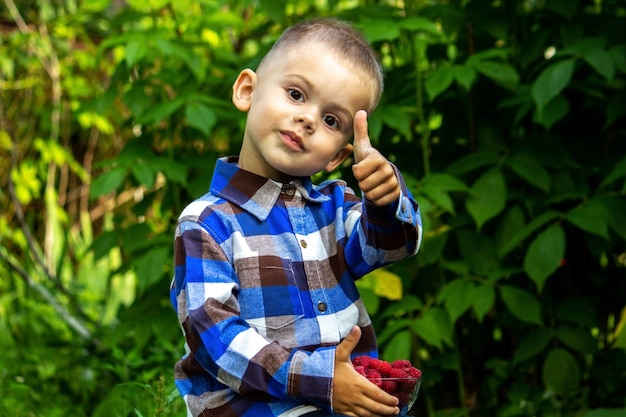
<point x="331" y="121"/>
<point x="295" y="94"/>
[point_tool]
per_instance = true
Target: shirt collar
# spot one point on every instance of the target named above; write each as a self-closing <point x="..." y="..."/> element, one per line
<point x="254" y="193"/>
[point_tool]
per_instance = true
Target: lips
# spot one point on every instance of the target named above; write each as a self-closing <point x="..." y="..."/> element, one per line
<point x="292" y="140"/>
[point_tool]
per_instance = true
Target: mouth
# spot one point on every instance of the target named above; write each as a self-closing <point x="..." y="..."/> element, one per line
<point x="292" y="140"/>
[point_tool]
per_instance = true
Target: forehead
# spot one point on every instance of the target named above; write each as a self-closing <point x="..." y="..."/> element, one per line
<point x="327" y="70"/>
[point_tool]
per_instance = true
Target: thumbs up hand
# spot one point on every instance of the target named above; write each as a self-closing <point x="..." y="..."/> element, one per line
<point x="373" y="172"/>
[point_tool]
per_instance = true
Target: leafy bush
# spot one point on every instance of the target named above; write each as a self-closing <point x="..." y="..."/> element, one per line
<point x="507" y="119"/>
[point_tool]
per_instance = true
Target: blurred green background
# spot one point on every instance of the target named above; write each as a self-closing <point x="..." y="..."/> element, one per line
<point x="507" y="118"/>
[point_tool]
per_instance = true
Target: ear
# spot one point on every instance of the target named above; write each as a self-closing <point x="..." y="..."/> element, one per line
<point x="339" y="157"/>
<point x="243" y="88"/>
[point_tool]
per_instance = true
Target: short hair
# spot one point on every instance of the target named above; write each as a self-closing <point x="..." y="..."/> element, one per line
<point x="341" y="37"/>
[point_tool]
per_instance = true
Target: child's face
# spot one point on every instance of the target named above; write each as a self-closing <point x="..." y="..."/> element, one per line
<point x="300" y="107"/>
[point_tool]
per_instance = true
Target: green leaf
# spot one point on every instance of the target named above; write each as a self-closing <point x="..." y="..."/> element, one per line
<point x="161" y="111"/>
<point x="484" y="298"/>
<point x="136" y="49"/>
<point x="560" y="372"/>
<point x="591" y="217"/>
<point x="400" y="346"/>
<point x="579" y="339"/>
<point x="509" y="224"/>
<point x="398" y="118"/>
<point x="108" y="181"/>
<point x="545" y="254"/>
<point x="606" y="412"/>
<point x="521" y="304"/>
<point x="445" y="182"/>
<point x="431" y="249"/>
<point x="150" y="267"/>
<point x="618" y="171"/>
<point x="479" y="250"/>
<point x="380" y="30"/>
<point x="423" y="24"/>
<point x="465" y="76"/>
<point x="551" y="82"/>
<point x="530" y="170"/>
<point x="201" y="117"/>
<point x="527" y="230"/>
<point x="439" y="197"/>
<point x="143" y="173"/>
<point x="473" y="161"/>
<point x="555" y="110"/>
<point x="439" y="81"/>
<point x="434" y="327"/>
<point x="601" y="61"/>
<point x="457" y="296"/>
<point x="487" y="198"/>
<point x="532" y="344"/>
<point x="500" y="72"/>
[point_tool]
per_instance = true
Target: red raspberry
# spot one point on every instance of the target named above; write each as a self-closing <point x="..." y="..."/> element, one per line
<point x="401" y="364"/>
<point x="384" y="368"/>
<point x="398" y="373"/>
<point x="374" y="363"/>
<point x="360" y="369"/>
<point x="374" y="376"/>
<point x="389" y="386"/>
<point x="362" y="360"/>
<point x="414" y="372"/>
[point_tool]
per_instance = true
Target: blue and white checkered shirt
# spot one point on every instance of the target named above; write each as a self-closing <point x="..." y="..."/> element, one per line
<point x="264" y="288"/>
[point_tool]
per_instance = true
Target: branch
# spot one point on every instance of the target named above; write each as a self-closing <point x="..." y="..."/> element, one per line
<point x="72" y="321"/>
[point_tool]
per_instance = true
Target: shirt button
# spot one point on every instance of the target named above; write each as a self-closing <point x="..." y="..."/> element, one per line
<point x="290" y="192"/>
<point x="303" y="243"/>
<point x="321" y="306"/>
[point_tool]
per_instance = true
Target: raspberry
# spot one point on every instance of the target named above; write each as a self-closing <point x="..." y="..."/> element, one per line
<point x="414" y="372"/>
<point x="374" y="376"/>
<point x="401" y="364"/>
<point x="360" y="369"/>
<point x="362" y="360"/>
<point x="398" y="373"/>
<point x="375" y="363"/>
<point x="389" y="386"/>
<point x="385" y="368"/>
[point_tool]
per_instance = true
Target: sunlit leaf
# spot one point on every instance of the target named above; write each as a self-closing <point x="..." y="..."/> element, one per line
<point x="201" y="117"/>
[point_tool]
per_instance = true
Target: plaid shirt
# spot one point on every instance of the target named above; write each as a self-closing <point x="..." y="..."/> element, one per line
<point x="264" y="288"/>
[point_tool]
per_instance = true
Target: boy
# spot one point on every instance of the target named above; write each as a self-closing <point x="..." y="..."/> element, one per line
<point x="265" y="262"/>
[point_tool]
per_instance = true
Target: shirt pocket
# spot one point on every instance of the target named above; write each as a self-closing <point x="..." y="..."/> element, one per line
<point x="269" y="297"/>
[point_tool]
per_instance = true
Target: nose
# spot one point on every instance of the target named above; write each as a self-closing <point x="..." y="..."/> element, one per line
<point x="306" y="119"/>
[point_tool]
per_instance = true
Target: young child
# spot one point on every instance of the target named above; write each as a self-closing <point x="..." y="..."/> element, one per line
<point x="265" y="262"/>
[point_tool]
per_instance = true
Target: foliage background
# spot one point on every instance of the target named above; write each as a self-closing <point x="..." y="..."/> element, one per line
<point x="507" y="118"/>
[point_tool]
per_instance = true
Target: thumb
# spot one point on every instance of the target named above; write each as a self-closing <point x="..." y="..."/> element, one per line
<point x="347" y="345"/>
<point x="362" y="142"/>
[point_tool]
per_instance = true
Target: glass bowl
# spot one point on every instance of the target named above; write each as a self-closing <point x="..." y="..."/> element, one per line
<point x="404" y="389"/>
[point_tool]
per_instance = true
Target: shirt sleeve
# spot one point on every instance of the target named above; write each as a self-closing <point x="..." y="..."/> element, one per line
<point x="223" y="344"/>
<point x="383" y="234"/>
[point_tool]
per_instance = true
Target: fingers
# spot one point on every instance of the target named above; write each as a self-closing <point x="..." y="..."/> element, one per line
<point x="362" y="143"/>
<point x="347" y="345"/>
